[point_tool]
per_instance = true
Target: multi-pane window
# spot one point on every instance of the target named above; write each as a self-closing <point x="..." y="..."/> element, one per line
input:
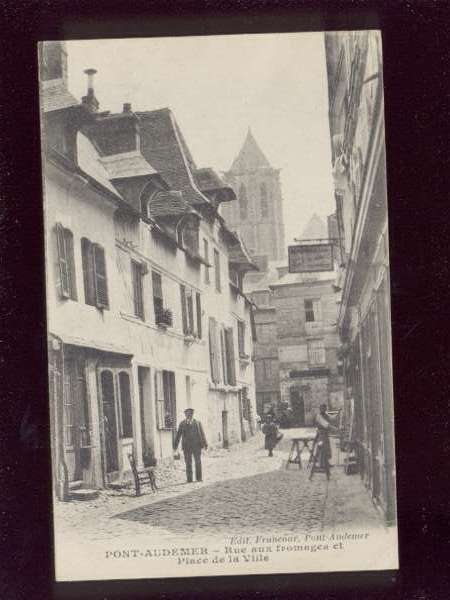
<point x="316" y="352"/>
<point x="206" y="257"/>
<point x="264" y="204"/>
<point x="313" y="310"/>
<point x="199" y="315"/>
<point x="67" y="281"/>
<point x="137" y="275"/>
<point x="266" y="369"/>
<point x="242" y="202"/>
<point x="191" y="316"/>
<point x="190" y="236"/>
<point x="241" y="337"/>
<point x="227" y="343"/>
<point x="165" y="397"/>
<point x="266" y="333"/>
<point x="94" y="274"/>
<point x="157" y="296"/>
<point x="217" y="270"/>
<point x="214" y="351"/>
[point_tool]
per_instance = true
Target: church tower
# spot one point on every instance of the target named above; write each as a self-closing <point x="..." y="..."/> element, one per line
<point x="258" y="212"/>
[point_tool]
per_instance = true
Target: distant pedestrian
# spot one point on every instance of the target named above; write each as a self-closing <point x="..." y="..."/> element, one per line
<point x="271" y="433"/>
<point x="193" y="440"/>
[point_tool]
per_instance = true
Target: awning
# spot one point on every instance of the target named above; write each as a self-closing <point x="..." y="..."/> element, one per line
<point x="100" y="346"/>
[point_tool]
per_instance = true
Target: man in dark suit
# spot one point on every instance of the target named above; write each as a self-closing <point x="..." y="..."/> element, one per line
<point x="193" y="439"/>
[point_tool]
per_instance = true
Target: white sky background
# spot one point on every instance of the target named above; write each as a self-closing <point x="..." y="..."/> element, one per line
<point x="217" y="87"/>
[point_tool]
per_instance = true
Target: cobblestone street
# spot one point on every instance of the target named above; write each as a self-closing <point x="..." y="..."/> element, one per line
<point x="244" y="491"/>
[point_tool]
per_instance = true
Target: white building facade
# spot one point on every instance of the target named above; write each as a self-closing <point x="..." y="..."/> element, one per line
<point x="142" y="318"/>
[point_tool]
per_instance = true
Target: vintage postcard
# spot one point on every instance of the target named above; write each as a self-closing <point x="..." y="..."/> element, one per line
<point x="218" y="302"/>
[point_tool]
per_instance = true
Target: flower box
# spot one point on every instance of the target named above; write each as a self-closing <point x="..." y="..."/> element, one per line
<point x="164" y="318"/>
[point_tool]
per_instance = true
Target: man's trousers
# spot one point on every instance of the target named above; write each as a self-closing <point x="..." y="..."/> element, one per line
<point x="197" y="454"/>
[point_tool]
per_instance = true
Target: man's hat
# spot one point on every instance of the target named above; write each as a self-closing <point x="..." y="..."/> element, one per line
<point x="189" y="410"/>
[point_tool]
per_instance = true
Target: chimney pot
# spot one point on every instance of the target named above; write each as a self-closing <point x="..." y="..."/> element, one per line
<point x="90" y="100"/>
<point x="127" y="107"/>
<point x="90" y="75"/>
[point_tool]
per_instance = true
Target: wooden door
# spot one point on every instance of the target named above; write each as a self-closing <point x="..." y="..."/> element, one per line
<point x="298" y="407"/>
<point x="225" y="437"/>
<point x="110" y="429"/>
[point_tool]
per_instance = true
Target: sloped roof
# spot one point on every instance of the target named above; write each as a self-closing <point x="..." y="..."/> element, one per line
<point x="239" y="255"/>
<point x="250" y="156"/>
<point x="90" y="162"/>
<point x="129" y="164"/>
<point x="207" y="180"/>
<point x="56" y="97"/>
<point x="164" y="147"/>
<point x="169" y="204"/>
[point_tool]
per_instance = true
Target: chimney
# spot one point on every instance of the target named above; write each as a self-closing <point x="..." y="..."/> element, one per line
<point x="90" y="101"/>
<point x="127" y="107"/>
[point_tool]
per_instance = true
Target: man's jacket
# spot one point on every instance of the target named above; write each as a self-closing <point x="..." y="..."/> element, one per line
<point x="191" y="434"/>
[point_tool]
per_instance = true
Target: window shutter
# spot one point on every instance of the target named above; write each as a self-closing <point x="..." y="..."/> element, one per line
<point x="206" y="257"/>
<point x="253" y="325"/>
<point x="214" y="351"/>
<point x="64" y="279"/>
<point x="190" y="309"/>
<point x="317" y="307"/>
<point x="159" y="399"/>
<point x="68" y="238"/>
<point x="241" y="337"/>
<point x="88" y="271"/>
<point x="137" y="274"/>
<point x="157" y="294"/>
<point x="183" y="308"/>
<point x="229" y="341"/>
<point x="224" y="356"/>
<point x="217" y="270"/>
<point x="199" y="315"/>
<point x="101" y="286"/>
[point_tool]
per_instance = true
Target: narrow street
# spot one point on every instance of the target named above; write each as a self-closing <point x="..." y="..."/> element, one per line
<point x="244" y="492"/>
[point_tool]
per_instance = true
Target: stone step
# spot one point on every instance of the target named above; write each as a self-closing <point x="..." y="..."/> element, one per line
<point x="75" y="485"/>
<point x="84" y="494"/>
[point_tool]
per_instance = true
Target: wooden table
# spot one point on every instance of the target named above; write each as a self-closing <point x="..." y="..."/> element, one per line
<point x="299" y="443"/>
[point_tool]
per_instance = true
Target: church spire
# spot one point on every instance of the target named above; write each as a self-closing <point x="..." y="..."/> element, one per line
<point x="250" y="156"/>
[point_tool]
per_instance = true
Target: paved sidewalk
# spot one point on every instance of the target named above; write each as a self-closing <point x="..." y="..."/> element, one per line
<point x="244" y="491"/>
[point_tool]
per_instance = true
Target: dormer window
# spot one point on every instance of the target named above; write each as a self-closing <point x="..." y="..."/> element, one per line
<point x="189" y="235"/>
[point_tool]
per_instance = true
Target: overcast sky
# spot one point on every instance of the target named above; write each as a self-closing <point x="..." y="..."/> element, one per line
<point x="217" y="87"/>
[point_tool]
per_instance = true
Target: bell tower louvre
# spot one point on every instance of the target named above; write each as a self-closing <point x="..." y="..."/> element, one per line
<point x="258" y="213"/>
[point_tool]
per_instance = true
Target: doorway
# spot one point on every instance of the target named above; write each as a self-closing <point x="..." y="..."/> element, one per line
<point x="148" y="442"/>
<point x="298" y="407"/>
<point x="76" y="419"/>
<point x="225" y="438"/>
<point x="109" y="423"/>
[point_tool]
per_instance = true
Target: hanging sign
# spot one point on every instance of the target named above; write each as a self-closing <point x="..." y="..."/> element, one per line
<point x="308" y="258"/>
